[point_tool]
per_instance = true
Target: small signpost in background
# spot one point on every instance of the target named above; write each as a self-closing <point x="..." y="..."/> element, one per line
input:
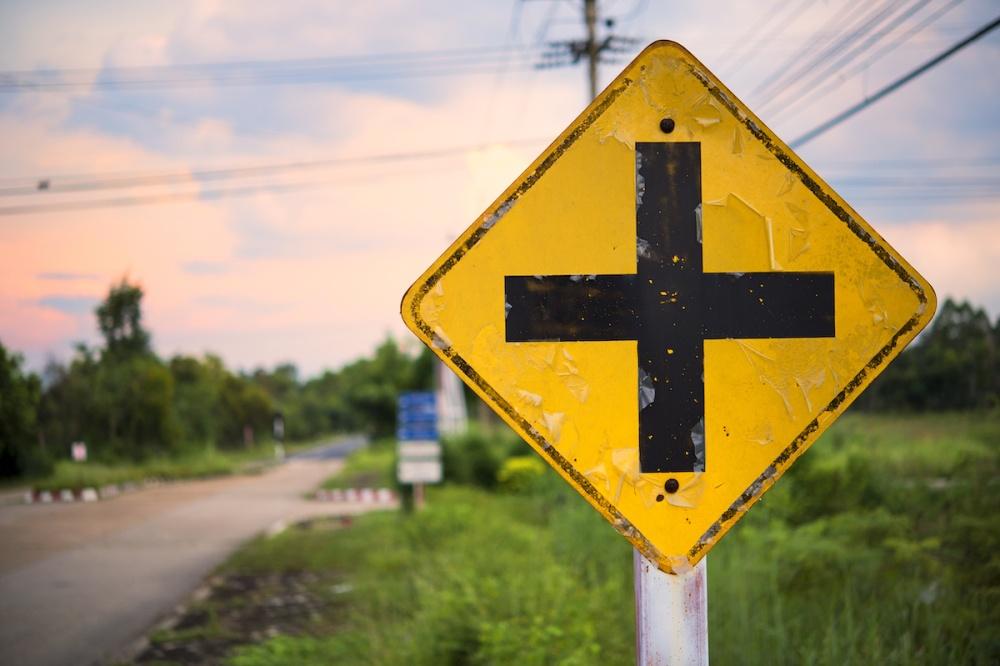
<point x="419" y="451"/>
<point x="78" y="450"/>
<point x="279" y="436"/>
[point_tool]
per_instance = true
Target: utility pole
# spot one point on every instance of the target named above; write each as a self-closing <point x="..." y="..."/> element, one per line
<point x="595" y="49"/>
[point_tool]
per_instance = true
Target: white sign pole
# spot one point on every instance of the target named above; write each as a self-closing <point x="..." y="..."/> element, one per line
<point x="671" y="615"/>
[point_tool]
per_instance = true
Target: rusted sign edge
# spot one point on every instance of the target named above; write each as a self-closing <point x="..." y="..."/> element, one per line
<point x="798" y="445"/>
<point x="829" y="198"/>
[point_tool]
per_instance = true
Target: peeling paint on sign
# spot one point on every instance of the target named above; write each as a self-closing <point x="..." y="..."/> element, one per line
<point x="523" y="304"/>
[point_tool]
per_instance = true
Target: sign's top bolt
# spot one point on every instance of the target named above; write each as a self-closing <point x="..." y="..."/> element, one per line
<point x="671" y="486"/>
<point x="667" y="125"/>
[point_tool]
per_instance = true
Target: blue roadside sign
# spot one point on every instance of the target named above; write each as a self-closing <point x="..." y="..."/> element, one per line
<point x="417" y="417"/>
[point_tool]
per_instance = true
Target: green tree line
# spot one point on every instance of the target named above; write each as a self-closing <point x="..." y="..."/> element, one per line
<point x="128" y="404"/>
<point x="953" y="365"/>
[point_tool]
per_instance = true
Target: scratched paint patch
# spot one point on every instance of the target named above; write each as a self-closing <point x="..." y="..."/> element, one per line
<point x="573" y="213"/>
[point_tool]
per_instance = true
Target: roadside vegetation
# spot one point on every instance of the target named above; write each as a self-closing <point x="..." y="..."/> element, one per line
<point x="145" y="416"/>
<point x="371" y="467"/>
<point x="199" y="463"/>
<point x="879" y="546"/>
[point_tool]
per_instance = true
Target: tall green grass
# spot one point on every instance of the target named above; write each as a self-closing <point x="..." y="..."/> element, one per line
<point x="195" y="463"/>
<point x="373" y="466"/>
<point x="879" y="546"/>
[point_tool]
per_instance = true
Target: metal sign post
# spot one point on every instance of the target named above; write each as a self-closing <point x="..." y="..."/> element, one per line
<point x="671" y="615"/>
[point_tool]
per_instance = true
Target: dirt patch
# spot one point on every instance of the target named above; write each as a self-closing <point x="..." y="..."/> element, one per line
<point x="238" y="609"/>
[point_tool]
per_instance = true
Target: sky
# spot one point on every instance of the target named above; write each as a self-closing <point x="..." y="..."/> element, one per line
<point x="169" y="178"/>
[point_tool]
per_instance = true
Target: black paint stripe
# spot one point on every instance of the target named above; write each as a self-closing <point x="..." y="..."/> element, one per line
<point x="571" y="307"/>
<point x="670" y="347"/>
<point x="669" y="306"/>
<point x="768" y="305"/>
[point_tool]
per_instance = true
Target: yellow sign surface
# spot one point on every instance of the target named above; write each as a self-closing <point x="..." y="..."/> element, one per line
<point x="669" y="306"/>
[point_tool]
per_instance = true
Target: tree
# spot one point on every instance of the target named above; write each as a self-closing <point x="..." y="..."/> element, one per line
<point x="955" y="364"/>
<point x="242" y="405"/>
<point x="69" y="409"/>
<point x="371" y="387"/>
<point x="120" y="319"/>
<point x="137" y="402"/>
<point x="20" y="450"/>
<point x="197" y="384"/>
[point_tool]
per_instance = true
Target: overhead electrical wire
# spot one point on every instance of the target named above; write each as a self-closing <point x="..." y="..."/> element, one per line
<point x="105" y="182"/>
<point x="894" y="86"/>
<point x="513" y="31"/>
<point x="850" y="34"/>
<point x="868" y="187"/>
<point x="831" y="29"/>
<point x="845" y="57"/>
<point x="746" y="47"/>
<point x="802" y="102"/>
<point x="527" y="89"/>
<point x="89" y="182"/>
<point x="263" y="72"/>
<point x="353" y="60"/>
<point x="920" y="191"/>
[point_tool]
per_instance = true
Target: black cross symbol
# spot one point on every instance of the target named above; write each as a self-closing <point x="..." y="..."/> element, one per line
<point x="669" y="306"/>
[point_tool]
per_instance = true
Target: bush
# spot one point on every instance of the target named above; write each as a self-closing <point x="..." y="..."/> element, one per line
<point x="520" y="474"/>
<point x="474" y="458"/>
<point x="20" y="452"/>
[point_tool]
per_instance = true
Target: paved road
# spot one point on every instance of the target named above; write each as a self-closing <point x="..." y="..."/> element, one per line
<point x="79" y="582"/>
<point x="334" y="450"/>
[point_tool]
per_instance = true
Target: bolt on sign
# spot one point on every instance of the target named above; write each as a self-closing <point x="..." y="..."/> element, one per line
<point x="669" y="306"/>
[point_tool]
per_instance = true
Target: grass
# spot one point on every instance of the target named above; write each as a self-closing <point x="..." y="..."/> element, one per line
<point x="371" y="467"/>
<point x="879" y="546"/>
<point x="193" y="464"/>
<point x="474" y="578"/>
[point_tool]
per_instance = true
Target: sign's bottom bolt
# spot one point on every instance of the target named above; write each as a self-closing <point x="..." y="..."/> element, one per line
<point x="671" y="486"/>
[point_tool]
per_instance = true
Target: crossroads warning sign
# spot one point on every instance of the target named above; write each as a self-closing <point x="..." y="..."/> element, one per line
<point x="669" y="306"/>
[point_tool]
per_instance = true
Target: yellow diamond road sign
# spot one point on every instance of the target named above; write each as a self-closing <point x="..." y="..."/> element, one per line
<point x="669" y="306"/>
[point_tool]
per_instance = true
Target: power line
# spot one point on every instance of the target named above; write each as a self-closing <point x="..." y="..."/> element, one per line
<point x="97" y="182"/>
<point x="322" y="61"/>
<point x="869" y="188"/>
<point x="846" y="57"/>
<point x="169" y="197"/>
<point x="745" y="55"/>
<point x="804" y="102"/>
<point x="829" y="32"/>
<point x="129" y="179"/>
<point x="857" y="30"/>
<point x="921" y="162"/>
<point x="261" y="72"/>
<point x="528" y="87"/>
<point x="513" y="31"/>
<point x="892" y="87"/>
<point x="90" y="182"/>
<point x="278" y="77"/>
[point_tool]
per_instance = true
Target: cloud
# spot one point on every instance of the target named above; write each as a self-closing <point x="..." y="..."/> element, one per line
<point x="238" y="304"/>
<point x="205" y="267"/>
<point x="958" y="258"/>
<point x="71" y="305"/>
<point x="68" y="277"/>
<point x="316" y="273"/>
